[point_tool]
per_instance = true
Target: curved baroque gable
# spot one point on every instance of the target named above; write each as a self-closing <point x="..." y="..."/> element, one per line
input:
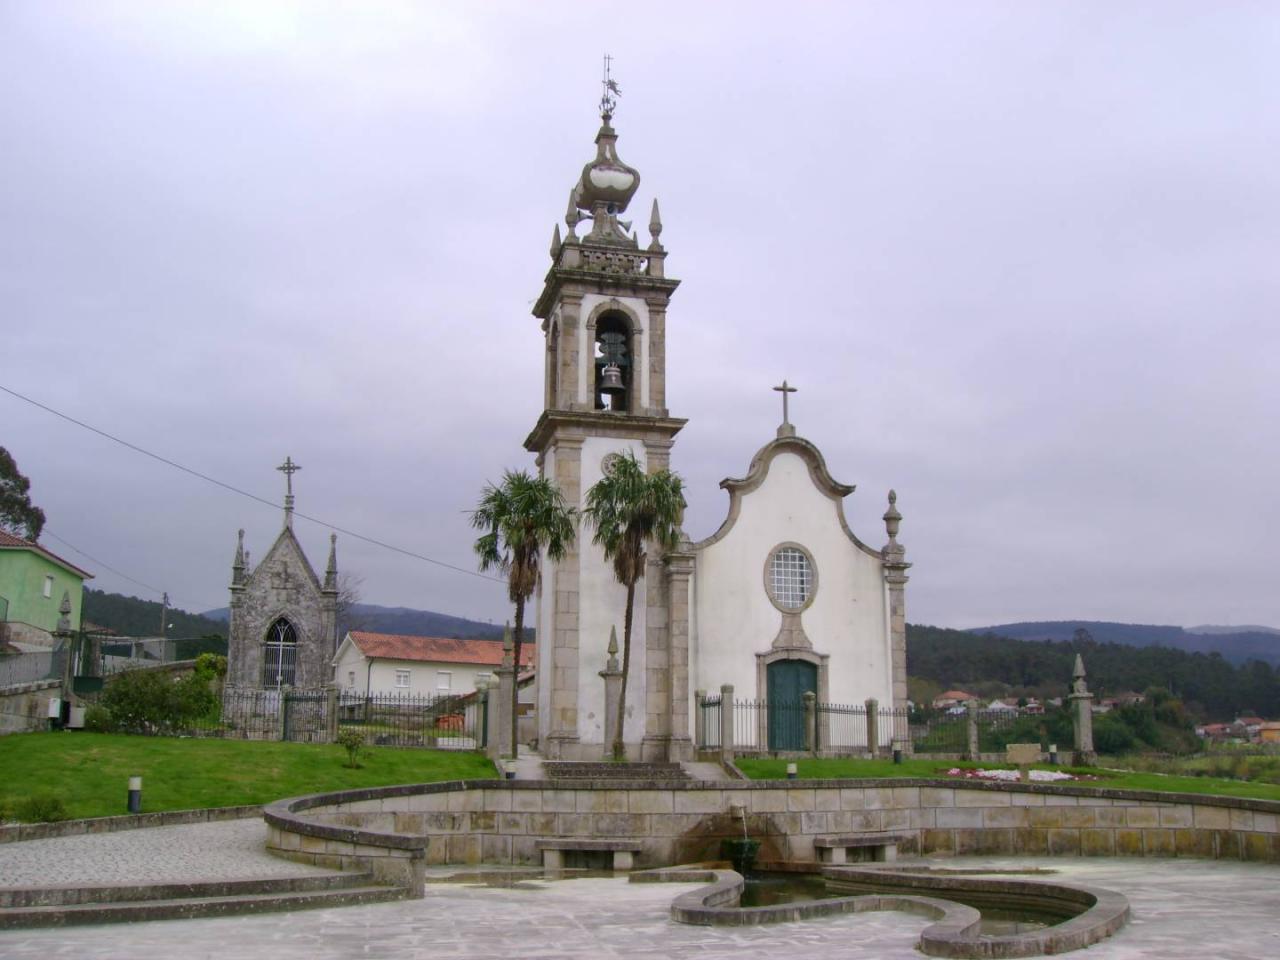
<point x="759" y="470"/>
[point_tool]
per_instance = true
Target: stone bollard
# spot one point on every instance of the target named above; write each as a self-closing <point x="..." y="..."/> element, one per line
<point x="1082" y="715"/>
<point x="612" y="677"/>
<point x="873" y="727"/>
<point x="502" y="738"/>
<point x="331" y="713"/>
<point x="726" y="723"/>
<point x="971" y="730"/>
<point x="810" y="721"/>
<point x="282" y="712"/>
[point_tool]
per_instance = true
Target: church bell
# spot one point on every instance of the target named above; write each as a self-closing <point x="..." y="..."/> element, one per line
<point x="611" y="379"/>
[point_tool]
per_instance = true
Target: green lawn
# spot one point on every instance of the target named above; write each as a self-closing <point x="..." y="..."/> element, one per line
<point x="821" y="769"/>
<point x="91" y="771"/>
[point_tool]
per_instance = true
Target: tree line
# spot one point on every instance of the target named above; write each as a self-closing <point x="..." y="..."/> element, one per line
<point x="1210" y="686"/>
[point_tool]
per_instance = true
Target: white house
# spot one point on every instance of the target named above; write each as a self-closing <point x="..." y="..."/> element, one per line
<point x="383" y="663"/>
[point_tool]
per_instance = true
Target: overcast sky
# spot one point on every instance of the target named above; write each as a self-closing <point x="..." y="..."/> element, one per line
<point x="1020" y="259"/>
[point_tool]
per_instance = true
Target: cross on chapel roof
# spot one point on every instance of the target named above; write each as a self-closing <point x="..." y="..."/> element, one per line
<point x="288" y="468"/>
<point x="786" y="429"/>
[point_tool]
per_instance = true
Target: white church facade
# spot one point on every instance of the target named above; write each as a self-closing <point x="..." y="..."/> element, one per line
<point x="781" y="600"/>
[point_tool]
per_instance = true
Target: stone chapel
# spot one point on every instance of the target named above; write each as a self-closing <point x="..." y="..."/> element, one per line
<point x="283" y="618"/>
<point x="782" y="599"/>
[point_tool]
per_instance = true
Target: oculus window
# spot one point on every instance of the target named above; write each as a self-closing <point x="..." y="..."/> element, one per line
<point x="790" y="577"/>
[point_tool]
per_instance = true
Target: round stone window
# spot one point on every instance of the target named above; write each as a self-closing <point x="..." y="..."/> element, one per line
<point x="790" y="577"/>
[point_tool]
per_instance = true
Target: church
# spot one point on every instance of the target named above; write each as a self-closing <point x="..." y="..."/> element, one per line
<point x="283" y="628"/>
<point x="781" y="600"/>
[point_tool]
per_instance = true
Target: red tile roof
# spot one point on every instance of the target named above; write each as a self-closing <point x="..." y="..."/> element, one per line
<point x="390" y="646"/>
<point x="12" y="542"/>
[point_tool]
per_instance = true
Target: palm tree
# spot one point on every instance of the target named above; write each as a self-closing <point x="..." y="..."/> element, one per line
<point x="522" y="517"/>
<point x="630" y="508"/>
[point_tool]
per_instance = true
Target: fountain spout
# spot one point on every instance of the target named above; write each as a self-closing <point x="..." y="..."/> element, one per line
<point x="741" y="853"/>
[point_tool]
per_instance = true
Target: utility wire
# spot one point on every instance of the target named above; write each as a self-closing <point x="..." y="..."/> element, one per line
<point x="245" y="493"/>
<point x="106" y="566"/>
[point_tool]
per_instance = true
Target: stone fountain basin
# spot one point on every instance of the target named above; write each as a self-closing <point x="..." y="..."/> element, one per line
<point x="1094" y="913"/>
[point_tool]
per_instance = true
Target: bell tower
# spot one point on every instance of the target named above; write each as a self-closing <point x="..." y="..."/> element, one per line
<point x="603" y="309"/>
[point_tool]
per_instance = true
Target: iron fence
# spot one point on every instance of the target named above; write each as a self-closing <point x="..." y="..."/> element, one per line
<point x="317" y="716"/>
<point x="949" y="732"/>
<point x="940" y="733"/>
<point x="446" y="722"/>
<point x="788" y="726"/>
<point x="707" y="722"/>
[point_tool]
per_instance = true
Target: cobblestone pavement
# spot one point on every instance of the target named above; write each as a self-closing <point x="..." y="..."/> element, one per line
<point x="1183" y="910"/>
<point x="225" y="850"/>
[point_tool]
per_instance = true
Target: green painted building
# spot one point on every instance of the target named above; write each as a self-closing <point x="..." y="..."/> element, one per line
<point x="32" y="582"/>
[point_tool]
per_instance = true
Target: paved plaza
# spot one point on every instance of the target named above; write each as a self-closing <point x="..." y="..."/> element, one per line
<point x="1183" y="910"/>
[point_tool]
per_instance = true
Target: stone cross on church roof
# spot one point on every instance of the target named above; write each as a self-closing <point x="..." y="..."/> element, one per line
<point x="288" y="468"/>
<point x="786" y="429"/>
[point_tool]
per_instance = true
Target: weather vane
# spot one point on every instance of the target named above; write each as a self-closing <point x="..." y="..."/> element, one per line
<point x="610" y="91"/>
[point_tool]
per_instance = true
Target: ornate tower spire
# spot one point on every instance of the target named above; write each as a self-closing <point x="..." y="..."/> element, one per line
<point x="238" y="566"/>
<point x="892" y="520"/>
<point x="655" y="227"/>
<point x="603" y="309"/>
<point x="331" y="571"/>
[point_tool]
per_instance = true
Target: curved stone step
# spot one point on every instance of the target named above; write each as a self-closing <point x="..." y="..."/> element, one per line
<point x="23" y="897"/>
<point x="185" y="908"/>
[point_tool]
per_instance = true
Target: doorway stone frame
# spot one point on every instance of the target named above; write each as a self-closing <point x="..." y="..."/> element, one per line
<point x="819" y="660"/>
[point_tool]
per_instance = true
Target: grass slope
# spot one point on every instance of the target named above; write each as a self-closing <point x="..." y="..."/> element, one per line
<point x="90" y="771"/>
<point x="836" y="769"/>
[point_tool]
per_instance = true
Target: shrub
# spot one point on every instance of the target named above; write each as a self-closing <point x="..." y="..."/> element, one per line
<point x="41" y="808"/>
<point x="97" y="719"/>
<point x="152" y="701"/>
<point x="1111" y="735"/>
<point x="353" y="742"/>
<point x="211" y="666"/>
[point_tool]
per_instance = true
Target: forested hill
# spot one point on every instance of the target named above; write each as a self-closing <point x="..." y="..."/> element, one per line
<point x="407" y="621"/>
<point x="134" y="617"/>
<point x="1238" y="645"/>
<point x="1210" y="685"/>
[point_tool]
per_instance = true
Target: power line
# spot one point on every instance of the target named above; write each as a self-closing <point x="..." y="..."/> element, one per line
<point x="106" y="566"/>
<point x="244" y="493"/>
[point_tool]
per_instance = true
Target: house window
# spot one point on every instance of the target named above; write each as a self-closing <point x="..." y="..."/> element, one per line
<point x="402" y="679"/>
<point x="444" y="681"/>
<point x="351" y="679"/>
<point x="48" y="587"/>
<point x="483" y="677"/>
<point x="790" y="577"/>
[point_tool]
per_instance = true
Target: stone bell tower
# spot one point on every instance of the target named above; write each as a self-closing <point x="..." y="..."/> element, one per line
<point x="603" y="309"/>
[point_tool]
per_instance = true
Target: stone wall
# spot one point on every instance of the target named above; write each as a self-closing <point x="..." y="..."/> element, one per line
<point x="500" y="821"/>
<point x="25" y="707"/>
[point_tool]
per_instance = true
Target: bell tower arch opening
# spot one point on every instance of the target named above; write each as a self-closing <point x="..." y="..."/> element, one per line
<point x="614" y="364"/>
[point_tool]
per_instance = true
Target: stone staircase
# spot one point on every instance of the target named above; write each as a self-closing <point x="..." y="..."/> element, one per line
<point x="600" y="770"/>
<point x="127" y="903"/>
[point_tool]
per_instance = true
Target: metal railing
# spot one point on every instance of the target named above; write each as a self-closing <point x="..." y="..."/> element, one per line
<point x="446" y="722"/>
<point x="791" y="726"/>
<point x="317" y="715"/>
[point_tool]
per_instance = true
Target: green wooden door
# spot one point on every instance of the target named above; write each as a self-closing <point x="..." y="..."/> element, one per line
<point x="789" y="680"/>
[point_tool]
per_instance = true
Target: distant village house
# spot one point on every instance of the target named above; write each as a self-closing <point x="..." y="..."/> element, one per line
<point x="380" y="664"/>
